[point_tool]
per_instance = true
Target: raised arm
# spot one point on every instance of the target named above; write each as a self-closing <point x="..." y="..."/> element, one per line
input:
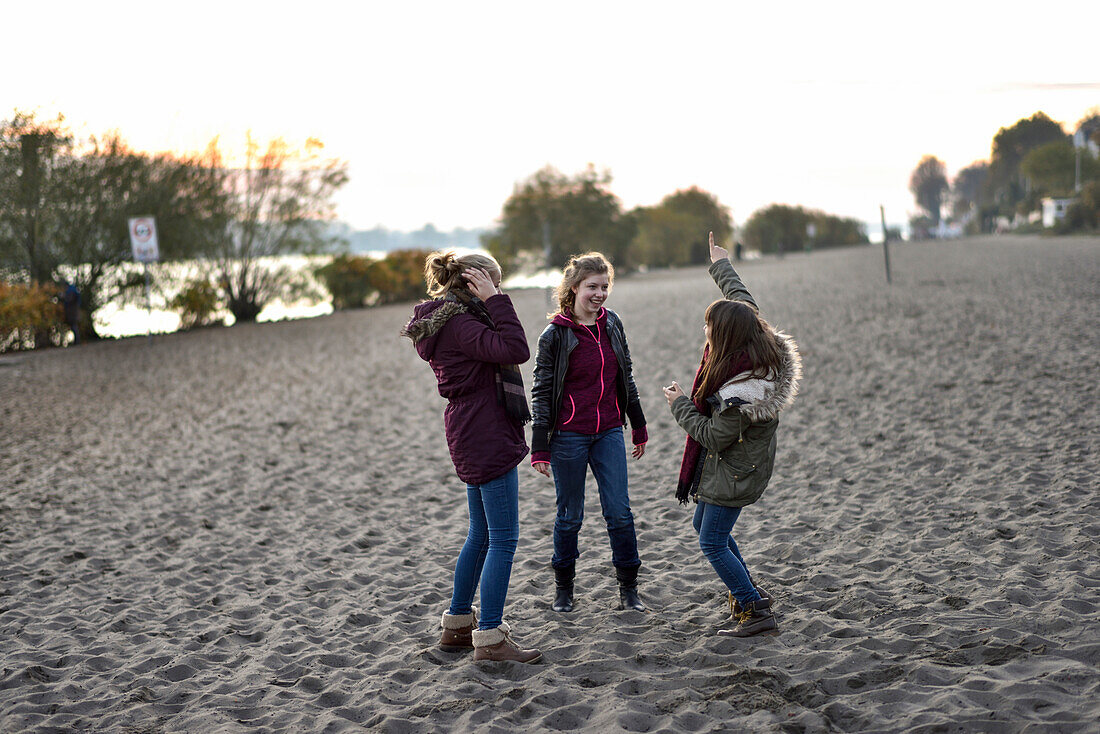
<point x="721" y="269"/>
<point x="507" y="344"/>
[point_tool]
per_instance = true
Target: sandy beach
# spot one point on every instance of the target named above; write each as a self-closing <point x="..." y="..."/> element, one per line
<point x="254" y="528"/>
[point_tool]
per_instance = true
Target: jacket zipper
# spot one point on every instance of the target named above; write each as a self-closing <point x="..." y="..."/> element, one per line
<point x="599" y="347"/>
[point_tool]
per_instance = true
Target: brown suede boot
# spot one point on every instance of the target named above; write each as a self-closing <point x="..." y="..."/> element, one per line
<point x="497" y="644"/>
<point x="755" y="619"/>
<point x="458" y="632"/>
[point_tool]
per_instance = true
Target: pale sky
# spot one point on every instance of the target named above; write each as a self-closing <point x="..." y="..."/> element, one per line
<point x="441" y="107"/>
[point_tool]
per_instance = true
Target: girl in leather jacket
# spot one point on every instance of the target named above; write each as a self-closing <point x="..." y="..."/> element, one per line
<point x="583" y="393"/>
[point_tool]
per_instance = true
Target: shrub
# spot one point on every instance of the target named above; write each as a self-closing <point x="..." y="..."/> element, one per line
<point x="197" y="303"/>
<point x="400" y="277"/>
<point x="1084" y="213"/>
<point x="30" y="316"/>
<point x="347" y="278"/>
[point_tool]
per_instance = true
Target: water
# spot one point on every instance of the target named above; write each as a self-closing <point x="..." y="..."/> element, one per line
<point x="131" y="316"/>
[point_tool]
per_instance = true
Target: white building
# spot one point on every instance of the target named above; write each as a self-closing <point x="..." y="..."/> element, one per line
<point x="1054" y="210"/>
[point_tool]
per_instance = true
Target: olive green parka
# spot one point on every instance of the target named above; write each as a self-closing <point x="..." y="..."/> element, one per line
<point x="738" y="437"/>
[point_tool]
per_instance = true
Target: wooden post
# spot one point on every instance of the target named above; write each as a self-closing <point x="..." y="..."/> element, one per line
<point x="148" y="308"/>
<point x="885" y="241"/>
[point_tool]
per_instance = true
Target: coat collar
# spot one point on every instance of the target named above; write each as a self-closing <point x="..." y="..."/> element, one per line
<point x="761" y="399"/>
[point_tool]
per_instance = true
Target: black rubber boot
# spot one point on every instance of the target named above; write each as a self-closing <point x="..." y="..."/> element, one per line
<point x="628" y="589"/>
<point x="563" y="601"/>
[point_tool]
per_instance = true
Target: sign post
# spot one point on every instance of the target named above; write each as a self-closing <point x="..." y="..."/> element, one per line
<point x="885" y="241"/>
<point x="143" y="242"/>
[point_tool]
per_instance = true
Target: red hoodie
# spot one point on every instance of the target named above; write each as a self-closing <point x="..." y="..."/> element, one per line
<point x="590" y="401"/>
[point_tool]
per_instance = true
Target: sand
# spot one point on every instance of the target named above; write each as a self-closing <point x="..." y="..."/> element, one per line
<point x="254" y="528"/>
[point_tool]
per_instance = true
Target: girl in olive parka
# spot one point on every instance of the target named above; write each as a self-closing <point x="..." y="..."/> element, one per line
<point x="748" y="374"/>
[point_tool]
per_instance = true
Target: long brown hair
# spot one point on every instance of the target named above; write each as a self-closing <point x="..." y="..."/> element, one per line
<point x="576" y="270"/>
<point x="443" y="271"/>
<point x="737" y="334"/>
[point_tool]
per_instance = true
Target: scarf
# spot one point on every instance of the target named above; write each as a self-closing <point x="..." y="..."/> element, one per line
<point x="509" y="380"/>
<point x="689" y="466"/>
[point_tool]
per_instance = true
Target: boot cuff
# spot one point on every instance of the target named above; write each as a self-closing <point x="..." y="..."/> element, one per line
<point x="457" y="621"/>
<point x="488" y="638"/>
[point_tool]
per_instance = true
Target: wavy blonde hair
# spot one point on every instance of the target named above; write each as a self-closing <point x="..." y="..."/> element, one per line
<point x="444" y="270"/>
<point x="576" y="270"/>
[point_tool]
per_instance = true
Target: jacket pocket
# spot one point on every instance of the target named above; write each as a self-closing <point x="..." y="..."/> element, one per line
<point x="572" y="411"/>
<point x="734" y="469"/>
<point x="735" y="482"/>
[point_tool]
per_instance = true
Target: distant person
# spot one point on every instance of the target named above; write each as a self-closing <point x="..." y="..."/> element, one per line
<point x="738" y="251"/>
<point x="70" y="302"/>
<point x="473" y="340"/>
<point x="582" y="394"/>
<point x="749" y="372"/>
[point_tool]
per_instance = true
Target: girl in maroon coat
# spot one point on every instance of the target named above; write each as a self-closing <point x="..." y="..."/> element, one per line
<point x="472" y="338"/>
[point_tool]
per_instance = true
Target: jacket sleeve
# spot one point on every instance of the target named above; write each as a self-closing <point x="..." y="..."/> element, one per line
<point x="507" y="344"/>
<point x="727" y="279"/>
<point x="715" y="432"/>
<point x="633" y="402"/>
<point x="542" y="391"/>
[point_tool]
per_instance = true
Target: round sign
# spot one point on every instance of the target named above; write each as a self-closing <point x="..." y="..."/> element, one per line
<point x="142" y="231"/>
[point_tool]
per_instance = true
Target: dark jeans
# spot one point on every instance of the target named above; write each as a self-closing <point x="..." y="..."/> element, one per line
<point x="570" y="456"/>
<point x="714" y="524"/>
<point x="490" y="545"/>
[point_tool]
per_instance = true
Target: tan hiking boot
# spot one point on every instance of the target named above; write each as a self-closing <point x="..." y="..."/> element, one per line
<point x="735" y="606"/>
<point x="497" y="645"/>
<point x="755" y="619"/>
<point x="458" y="632"/>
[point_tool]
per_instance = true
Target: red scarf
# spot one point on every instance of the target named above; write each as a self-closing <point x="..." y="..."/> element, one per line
<point x="693" y="450"/>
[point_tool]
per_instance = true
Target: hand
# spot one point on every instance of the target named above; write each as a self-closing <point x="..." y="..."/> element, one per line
<point x="672" y="392"/>
<point x="480" y="283"/>
<point x="542" y="468"/>
<point x="638" y="451"/>
<point x="717" y="253"/>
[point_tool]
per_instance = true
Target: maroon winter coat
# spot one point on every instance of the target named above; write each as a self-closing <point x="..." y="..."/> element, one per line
<point x="464" y="353"/>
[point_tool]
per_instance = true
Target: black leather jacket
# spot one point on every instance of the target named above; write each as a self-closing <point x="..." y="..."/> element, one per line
<point x="552" y="362"/>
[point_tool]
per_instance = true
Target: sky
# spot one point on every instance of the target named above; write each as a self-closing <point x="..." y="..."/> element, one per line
<point x="440" y="108"/>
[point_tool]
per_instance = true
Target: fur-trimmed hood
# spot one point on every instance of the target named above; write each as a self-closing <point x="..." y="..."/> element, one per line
<point x="761" y="399"/>
<point x="428" y="318"/>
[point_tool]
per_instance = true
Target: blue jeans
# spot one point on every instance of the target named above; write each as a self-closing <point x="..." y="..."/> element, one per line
<point x="570" y="456"/>
<point x="714" y="524"/>
<point x="490" y="545"/>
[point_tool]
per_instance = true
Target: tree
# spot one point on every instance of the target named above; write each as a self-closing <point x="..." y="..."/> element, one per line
<point x="783" y="228"/>
<point x="929" y="185"/>
<point x="64" y="206"/>
<point x="106" y="185"/>
<point x="675" y="232"/>
<point x="559" y="216"/>
<point x="279" y="202"/>
<point x="1089" y="126"/>
<point x="966" y="190"/>
<point x="663" y="237"/>
<point x="31" y="154"/>
<point x="708" y="215"/>
<point x="1051" y="168"/>
<point x="1006" y="185"/>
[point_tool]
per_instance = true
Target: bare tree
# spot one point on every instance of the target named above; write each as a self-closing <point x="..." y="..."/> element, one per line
<point x="280" y="202"/>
